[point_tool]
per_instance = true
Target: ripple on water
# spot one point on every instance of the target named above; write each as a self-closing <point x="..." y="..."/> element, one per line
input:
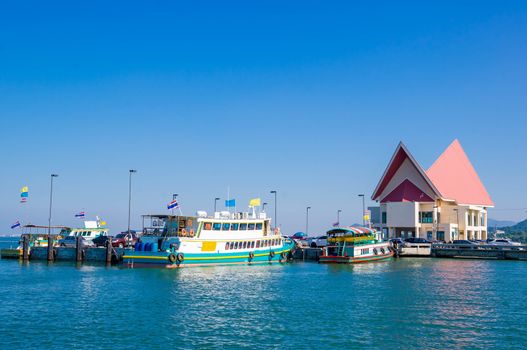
<point x="406" y="303"/>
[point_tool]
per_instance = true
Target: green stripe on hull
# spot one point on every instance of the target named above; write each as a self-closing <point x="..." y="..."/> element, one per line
<point x="161" y="258"/>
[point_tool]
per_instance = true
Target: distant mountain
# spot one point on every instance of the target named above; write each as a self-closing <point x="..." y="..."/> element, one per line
<point x="516" y="232"/>
<point x="491" y="223"/>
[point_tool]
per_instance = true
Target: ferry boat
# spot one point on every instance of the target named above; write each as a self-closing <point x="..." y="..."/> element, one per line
<point x="174" y="241"/>
<point x="354" y="245"/>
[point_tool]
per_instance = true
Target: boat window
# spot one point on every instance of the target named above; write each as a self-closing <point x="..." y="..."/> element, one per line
<point x="259" y="226"/>
<point x="251" y="226"/>
<point x="235" y="245"/>
<point x="243" y="227"/>
<point x="244" y="245"/>
<point x="252" y="244"/>
<point x="227" y="246"/>
<point x="265" y="243"/>
<point x="216" y="226"/>
<point x="226" y="227"/>
<point x="231" y="245"/>
<point x="257" y="244"/>
<point x="207" y="226"/>
<point x="84" y="233"/>
<point x="234" y="227"/>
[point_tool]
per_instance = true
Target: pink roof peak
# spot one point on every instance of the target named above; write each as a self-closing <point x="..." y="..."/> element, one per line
<point x="454" y="176"/>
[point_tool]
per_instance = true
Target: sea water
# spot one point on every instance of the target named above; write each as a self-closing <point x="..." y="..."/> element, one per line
<point x="403" y="303"/>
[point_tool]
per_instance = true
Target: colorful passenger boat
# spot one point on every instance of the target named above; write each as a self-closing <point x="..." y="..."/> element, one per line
<point x="36" y="236"/>
<point x="227" y="238"/>
<point x="354" y="245"/>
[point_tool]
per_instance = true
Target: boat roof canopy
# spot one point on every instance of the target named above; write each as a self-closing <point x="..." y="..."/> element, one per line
<point x="351" y="230"/>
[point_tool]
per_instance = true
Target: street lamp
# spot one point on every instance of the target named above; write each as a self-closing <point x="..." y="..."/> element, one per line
<point x="338" y="217"/>
<point x="216" y="201"/>
<point x="307" y="221"/>
<point x="263" y="206"/>
<point x="50" y="241"/>
<point x="363" y="211"/>
<point x="275" y="219"/>
<point x="131" y="171"/>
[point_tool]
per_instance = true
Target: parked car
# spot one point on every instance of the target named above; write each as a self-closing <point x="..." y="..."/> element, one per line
<point x="416" y="240"/>
<point x="320" y="241"/>
<point x="299" y="236"/>
<point x="100" y="241"/>
<point x="124" y="239"/>
<point x="463" y="241"/>
<point x="71" y="242"/>
<point x="503" y="241"/>
<point x="399" y="241"/>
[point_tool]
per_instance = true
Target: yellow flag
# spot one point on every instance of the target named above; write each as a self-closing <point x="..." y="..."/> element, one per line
<point x="255" y="202"/>
<point x="24" y="189"/>
<point x="102" y="223"/>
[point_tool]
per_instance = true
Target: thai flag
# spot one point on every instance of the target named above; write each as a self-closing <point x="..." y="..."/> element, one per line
<point x="15" y="225"/>
<point x="80" y="215"/>
<point x="173" y="204"/>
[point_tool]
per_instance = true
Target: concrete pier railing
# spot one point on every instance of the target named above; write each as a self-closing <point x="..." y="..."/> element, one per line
<point x="484" y="251"/>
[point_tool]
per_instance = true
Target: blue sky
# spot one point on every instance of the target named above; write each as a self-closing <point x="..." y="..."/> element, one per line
<point x="309" y="98"/>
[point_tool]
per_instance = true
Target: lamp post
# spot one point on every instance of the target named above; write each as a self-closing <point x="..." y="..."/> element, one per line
<point x="436" y="222"/>
<point x="338" y="217"/>
<point x="50" y="240"/>
<point x="131" y="171"/>
<point x="363" y="210"/>
<point x="263" y="206"/>
<point x="275" y="204"/>
<point x="307" y="221"/>
<point x="215" y="202"/>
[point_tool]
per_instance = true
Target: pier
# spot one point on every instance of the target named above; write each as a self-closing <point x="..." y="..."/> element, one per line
<point x="480" y="251"/>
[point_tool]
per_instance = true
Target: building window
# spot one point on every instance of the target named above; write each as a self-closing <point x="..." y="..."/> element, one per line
<point x="383" y="217"/>
<point x="482" y="219"/>
<point x="426" y="217"/>
<point x="441" y="236"/>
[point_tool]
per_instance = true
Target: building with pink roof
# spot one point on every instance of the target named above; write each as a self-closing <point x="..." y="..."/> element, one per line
<point x="446" y="202"/>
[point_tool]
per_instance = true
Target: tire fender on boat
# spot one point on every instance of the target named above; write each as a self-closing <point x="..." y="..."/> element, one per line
<point x="283" y="256"/>
<point x="383" y="251"/>
<point x="180" y="257"/>
<point x="271" y="255"/>
<point x="172" y="258"/>
<point x="375" y="251"/>
<point x="251" y="255"/>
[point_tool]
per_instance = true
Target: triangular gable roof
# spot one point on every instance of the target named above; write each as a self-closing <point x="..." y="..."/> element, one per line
<point x="400" y="155"/>
<point x="407" y="191"/>
<point x="455" y="177"/>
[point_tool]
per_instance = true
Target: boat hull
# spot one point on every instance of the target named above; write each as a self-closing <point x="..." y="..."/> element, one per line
<point x="163" y="259"/>
<point x="328" y="259"/>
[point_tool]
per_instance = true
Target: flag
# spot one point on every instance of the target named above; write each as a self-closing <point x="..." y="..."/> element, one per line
<point x="230" y="203"/>
<point x="80" y="215"/>
<point x="24" y="194"/>
<point x="173" y="204"/>
<point x="255" y="202"/>
<point x="102" y="223"/>
<point x="15" y="225"/>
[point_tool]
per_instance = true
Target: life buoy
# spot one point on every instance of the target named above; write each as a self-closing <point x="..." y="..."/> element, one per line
<point x="180" y="257"/>
<point x="191" y="232"/>
<point x="375" y="251"/>
<point x="184" y="232"/>
<point x="172" y="258"/>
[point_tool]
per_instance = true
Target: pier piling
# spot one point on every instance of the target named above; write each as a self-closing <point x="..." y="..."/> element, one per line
<point x="50" y="248"/>
<point x="109" y="251"/>
<point x="78" y="249"/>
<point x="25" y="248"/>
